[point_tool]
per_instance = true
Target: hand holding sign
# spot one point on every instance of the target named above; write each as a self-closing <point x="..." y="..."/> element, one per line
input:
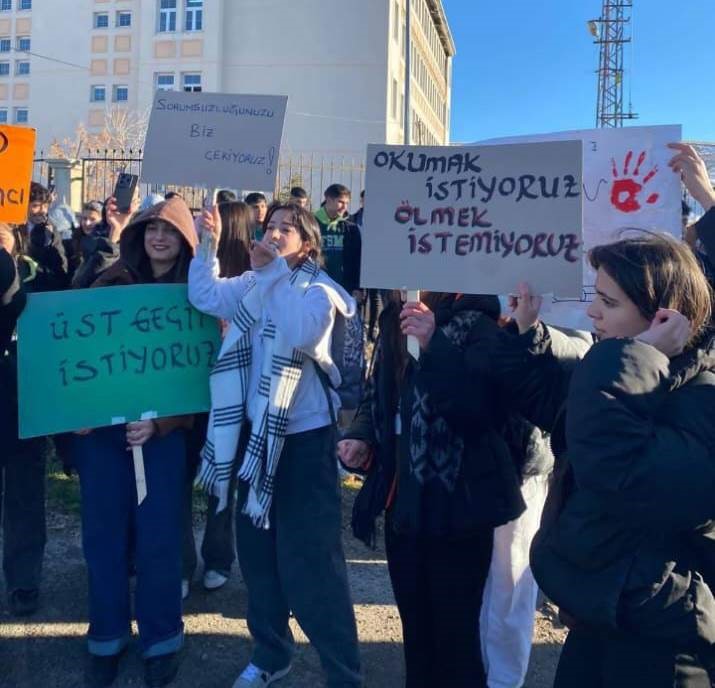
<point x="525" y="307"/>
<point x="694" y="173"/>
<point x="417" y="320"/>
<point x="140" y="432"/>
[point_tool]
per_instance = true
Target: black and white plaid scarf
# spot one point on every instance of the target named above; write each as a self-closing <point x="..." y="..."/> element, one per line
<point x="281" y="371"/>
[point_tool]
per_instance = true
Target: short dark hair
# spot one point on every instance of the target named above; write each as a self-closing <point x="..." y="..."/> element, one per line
<point x="93" y="206"/>
<point x="306" y="224"/>
<point x="226" y="196"/>
<point x="298" y="192"/>
<point x="255" y="197"/>
<point x="336" y="191"/>
<point x="172" y="194"/>
<point x="39" y="194"/>
<point x="656" y="271"/>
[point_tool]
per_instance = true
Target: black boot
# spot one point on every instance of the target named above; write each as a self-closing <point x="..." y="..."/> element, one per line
<point x="24" y="602"/>
<point x="161" y="670"/>
<point x="102" y="670"/>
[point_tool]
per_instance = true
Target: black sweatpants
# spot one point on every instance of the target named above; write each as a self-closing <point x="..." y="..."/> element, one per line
<point x="617" y="660"/>
<point x="438" y="586"/>
<point x="22" y="512"/>
<point x="298" y="564"/>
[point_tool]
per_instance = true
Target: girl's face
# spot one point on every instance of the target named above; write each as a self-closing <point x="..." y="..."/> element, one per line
<point x="285" y="236"/>
<point x="612" y="312"/>
<point x="89" y="219"/>
<point x="162" y="242"/>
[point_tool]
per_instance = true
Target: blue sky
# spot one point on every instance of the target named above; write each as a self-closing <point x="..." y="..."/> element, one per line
<point x="528" y="66"/>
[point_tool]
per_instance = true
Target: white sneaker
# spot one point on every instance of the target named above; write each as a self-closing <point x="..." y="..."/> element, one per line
<point x="213" y="580"/>
<point x="184" y="588"/>
<point x="253" y="677"/>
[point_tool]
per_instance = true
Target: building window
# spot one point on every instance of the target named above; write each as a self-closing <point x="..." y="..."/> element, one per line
<point x="124" y="19"/>
<point x="164" y="82"/>
<point x="98" y="94"/>
<point x="120" y="94"/>
<point x="4" y="68"/>
<point x="167" y="15"/>
<point x="101" y="20"/>
<point x="22" y="115"/>
<point x="25" y="4"/>
<point x="191" y="83"/>
<point x="22" y="67"/>
<point x="194" y="17"/>
<point x="5" y="45"/>
<point x="5" y="5"/>
<point x="23" y="44"/>
<point x="3" y="115"/>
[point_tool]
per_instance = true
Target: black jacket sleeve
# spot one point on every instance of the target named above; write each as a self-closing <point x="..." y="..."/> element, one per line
<point x="643" y="450"/>
<point x="352" y="254"/>
<point x="46" y="249"/>
<point x="705" y="228"/>
<point x="534" y="370"/>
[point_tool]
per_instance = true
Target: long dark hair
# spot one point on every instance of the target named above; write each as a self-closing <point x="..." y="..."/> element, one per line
<point x="233" y="247"/>
<point x="655" y="272"/>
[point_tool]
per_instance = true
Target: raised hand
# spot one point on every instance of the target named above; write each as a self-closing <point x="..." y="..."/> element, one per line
<point x="693" y="172"/>
<point x="669" y="332"/>
<point x="525" y="307"/>
<point x="116" y="219"/>
<point x="210" y="226"/>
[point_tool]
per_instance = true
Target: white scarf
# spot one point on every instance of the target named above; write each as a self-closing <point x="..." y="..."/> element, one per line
<point x="281" y="371"/>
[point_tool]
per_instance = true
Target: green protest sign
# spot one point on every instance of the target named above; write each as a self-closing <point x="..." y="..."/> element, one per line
<point x="96" y="357"/>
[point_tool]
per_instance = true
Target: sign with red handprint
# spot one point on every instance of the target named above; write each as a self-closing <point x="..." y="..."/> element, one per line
<point x="627" y="185"/>
<point x="629" y="188"/>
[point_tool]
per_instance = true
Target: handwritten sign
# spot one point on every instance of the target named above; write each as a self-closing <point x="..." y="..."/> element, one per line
<point x="473" y="219"/>
<point x="214" y="140"/>
<point x="17" y="146"/>
<point x="627" y="184"/>
<point x="92" y="357"/>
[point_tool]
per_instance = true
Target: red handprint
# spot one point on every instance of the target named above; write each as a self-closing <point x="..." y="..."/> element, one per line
<point x="625" y="191"/>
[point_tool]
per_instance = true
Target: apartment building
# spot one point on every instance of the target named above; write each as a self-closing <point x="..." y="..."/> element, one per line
<point x="341" y="63"/>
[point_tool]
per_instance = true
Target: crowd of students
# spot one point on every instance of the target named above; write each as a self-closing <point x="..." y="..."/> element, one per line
<point x="610" y="434"/>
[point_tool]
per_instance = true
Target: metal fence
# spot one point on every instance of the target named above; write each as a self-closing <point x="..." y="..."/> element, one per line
<point x="99" y="168"/>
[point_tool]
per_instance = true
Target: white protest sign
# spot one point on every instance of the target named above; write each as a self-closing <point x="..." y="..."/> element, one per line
<point x="214" y="140"/>
<point x="627" y="184"/>
<point x="473" y="220"/>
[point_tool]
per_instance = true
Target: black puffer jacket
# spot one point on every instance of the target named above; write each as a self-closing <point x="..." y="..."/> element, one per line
<point x="486" y="491"/>
<point x="44" y="246"/>
<point x="626" y="541"/>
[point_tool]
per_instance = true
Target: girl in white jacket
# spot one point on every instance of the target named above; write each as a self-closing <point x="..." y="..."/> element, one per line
<point x="273" y="407"/>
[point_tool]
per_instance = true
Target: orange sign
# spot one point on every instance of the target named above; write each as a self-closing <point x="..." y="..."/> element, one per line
<point x="17" y="149"/>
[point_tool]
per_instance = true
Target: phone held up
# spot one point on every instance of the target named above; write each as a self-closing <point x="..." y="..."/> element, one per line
<point x="124" y="191"/>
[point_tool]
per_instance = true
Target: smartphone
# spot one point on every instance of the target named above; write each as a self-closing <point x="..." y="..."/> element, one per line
<point x="124" y="191"/>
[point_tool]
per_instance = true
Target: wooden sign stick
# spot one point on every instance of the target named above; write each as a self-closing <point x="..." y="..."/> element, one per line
<point x="413" y="346"/>
<point x="139" y="475"/>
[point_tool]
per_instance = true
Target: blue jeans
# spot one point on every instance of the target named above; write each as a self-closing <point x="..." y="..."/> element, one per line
<point x="117" y="531"/>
